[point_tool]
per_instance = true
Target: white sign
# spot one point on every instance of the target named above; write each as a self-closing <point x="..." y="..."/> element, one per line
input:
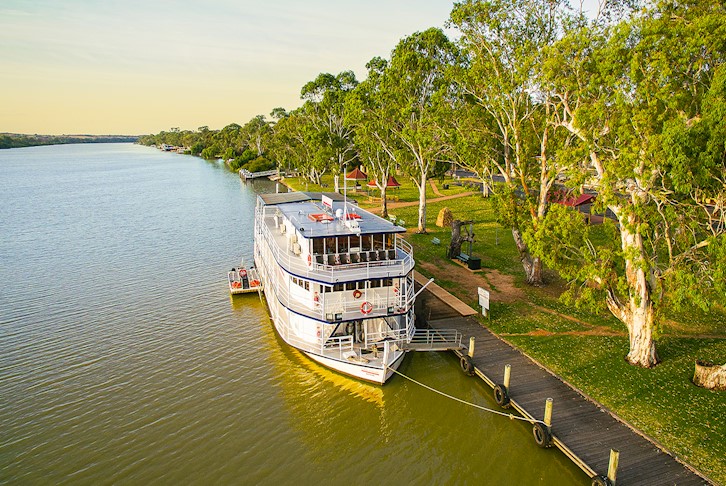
<point x="483" y="300"/>
<point x="328" y="202"/>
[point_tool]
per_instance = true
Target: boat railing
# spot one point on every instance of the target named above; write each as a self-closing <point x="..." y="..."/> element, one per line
<point x="394" y="335"/>
<point x="345" y="306"/>
<point x="294" y="262"/>
<point x="333" y="347"/>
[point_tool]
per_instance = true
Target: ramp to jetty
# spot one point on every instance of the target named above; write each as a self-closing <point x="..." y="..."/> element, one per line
<point x="582" y="429"/>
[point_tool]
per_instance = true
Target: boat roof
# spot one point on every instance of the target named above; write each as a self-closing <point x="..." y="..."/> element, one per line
<point x="304" y="209"/>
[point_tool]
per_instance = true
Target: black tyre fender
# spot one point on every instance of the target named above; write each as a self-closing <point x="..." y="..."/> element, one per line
<point x="466" y="365"/>
<point x="542" y="435"/>
<point x="501" y="396"/>
<point x="600" y="481"/>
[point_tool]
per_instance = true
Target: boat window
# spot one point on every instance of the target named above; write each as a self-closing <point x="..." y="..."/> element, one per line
<point x="375" y="283"/>
<point x="342" y="244"/>
<point x="318" y="246"/>
<point x="377" y="242"/>
<point x="330" y="246"/>
<point x="350" y="286"/>
<point x="387" y="282"/>
<point x="338" y="288"/>
<point x="390" y="241"/>
<point x="365" y="243"/>
<point x="355" y="241"/>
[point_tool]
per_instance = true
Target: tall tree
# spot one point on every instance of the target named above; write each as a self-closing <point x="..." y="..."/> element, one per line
<point x="325" y="99"/>
<point x="413" y="96"/>
<point x="645" y="99"/>
<point x="504" y="41"/>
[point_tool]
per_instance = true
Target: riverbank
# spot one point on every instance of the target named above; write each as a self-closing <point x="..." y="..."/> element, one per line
<point x="17" y="140"/>
<point x="583" y="347"/>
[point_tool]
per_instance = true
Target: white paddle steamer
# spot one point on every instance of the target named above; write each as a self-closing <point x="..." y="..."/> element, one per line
<point x="338" y="281"/>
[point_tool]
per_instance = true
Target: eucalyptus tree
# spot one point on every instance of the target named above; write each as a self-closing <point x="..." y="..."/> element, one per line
<point x="645" y="99"/>
<point x="504" y="42"/>
<point x="297" y="143"/>
<point x="256" y="133"/>
<point x="411" y="99"/>
<point x="325" y="99"/>
<point x="376" y="145"/>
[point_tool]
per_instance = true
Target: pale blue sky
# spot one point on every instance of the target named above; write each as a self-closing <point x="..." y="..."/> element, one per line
<point x="142" y="66"/>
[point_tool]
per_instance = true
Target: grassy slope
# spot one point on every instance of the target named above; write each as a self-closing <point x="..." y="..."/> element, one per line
<point x="661" y="402"/>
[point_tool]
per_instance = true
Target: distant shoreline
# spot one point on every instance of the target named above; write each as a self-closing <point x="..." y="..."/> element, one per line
<point x="17" y="140"/>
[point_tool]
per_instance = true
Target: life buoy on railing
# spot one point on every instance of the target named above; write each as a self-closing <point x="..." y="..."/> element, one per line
<point x="242" y="272"/>
<point x="316" y="299"/>
<point x="395" y="289"/>
<point x="366" y="307"/>
<point x="310" y="261"/>
<point x="357" y="293"/>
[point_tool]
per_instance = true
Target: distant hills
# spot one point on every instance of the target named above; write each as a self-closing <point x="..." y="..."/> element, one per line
<point x="15" y="140"/>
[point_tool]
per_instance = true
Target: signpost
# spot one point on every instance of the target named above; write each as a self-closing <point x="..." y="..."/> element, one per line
<point x="484" y="301"/>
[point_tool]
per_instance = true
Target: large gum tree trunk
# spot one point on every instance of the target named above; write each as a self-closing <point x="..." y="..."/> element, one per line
<point x="638" y="312"/>
<point x="532" y="265"/>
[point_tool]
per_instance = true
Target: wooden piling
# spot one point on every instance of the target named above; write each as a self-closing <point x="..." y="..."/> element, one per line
<point x="613" y="465"/>
<point x="507" y="375"/>
<point x="548" y="413"/>
<point x="472" y="340"/>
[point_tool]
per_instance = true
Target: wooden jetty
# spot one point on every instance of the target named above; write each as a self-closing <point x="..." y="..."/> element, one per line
<point x="603" y="446"/>
<point x="245" y="174"/>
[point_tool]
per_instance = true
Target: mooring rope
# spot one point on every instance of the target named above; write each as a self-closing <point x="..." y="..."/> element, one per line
<point x="485" y="409"/>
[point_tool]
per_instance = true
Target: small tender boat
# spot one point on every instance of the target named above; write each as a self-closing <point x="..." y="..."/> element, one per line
<point x="243" y="280"/>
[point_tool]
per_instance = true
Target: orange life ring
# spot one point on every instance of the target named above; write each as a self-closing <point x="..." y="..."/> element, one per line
<point x="310" y="261"/>
<point x="395" y="289"/>
<point x="357" y="293"/>
<point x="366" y="307"/>
<point x="236" y="285"/>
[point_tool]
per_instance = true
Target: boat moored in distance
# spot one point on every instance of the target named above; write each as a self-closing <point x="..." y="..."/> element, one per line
<point x="243" y="280"/>
<point x="338" y="281"/>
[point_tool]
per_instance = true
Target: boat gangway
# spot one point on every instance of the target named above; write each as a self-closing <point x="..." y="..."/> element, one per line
<point x="434" y="340"/>
<point x="245" y="174"/>
<point x="604" y="446"/>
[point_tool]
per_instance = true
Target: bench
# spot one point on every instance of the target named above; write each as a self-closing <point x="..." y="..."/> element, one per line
<point x="463" y="257"/>
<point x="435" y="241"/>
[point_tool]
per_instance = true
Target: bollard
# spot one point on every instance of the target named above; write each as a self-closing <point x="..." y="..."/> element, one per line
<point x="548" y="413"/>
<point x="613" y="465"/>
<point x="472" y="340"/>
<point x="507" y="375"/>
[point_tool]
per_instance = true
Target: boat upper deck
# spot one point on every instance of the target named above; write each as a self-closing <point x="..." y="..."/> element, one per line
<point x="320" y="237"/>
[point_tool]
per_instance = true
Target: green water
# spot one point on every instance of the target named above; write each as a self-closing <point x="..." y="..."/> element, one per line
<point x="123" y="359"/>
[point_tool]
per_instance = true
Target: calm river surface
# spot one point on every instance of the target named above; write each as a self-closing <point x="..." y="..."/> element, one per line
<point x="124" y="360"/>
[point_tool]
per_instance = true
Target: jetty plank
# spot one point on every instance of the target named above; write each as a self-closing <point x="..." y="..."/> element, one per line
<point x="583" y="429"/>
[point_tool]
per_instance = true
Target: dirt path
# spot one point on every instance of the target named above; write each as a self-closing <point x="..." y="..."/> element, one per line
<point x="435" y="188"/>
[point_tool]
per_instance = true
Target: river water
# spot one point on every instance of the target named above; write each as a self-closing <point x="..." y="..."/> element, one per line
<point x="124" y="360"/>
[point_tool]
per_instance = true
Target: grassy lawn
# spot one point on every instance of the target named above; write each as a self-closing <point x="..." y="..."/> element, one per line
<point x="662" y="402"/>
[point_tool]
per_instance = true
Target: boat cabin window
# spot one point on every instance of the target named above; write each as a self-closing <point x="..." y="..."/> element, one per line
<point x="318" y="246"/>
<point x="302" y="283"/>
<point x="366" y="242"/>
<point x="338" y="288"/>
<point x="325" y="289"/>
<point x="330" y="246"/>
<point x="355" y="242"/>
<point x="378" y="242"/>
